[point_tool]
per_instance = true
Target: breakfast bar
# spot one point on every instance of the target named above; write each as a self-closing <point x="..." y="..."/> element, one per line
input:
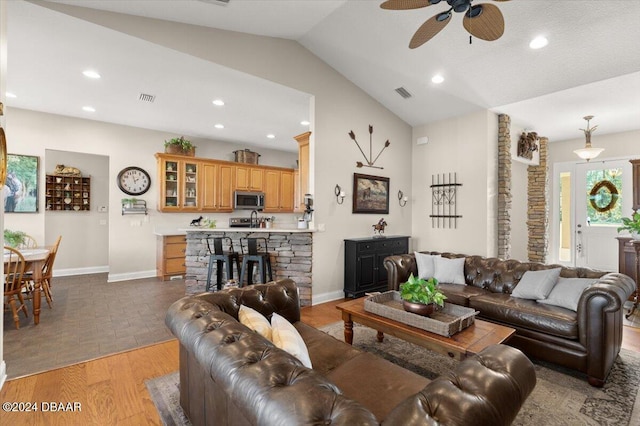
<point x="290" y="252"/>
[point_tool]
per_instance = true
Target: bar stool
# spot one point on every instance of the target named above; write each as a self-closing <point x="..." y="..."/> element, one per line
<point x="220" y="256"/>
<point x="251" y="256"/>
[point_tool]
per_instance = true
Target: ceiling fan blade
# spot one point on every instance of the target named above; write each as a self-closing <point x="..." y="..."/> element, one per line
<point x="487" y="25"/>
<point x="429" y="29"/>
<point x="405" y="4"/>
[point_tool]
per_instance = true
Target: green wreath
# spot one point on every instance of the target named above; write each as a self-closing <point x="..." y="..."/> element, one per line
<point x="596" y="189"/>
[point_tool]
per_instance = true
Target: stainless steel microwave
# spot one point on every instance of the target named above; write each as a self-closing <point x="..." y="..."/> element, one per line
<point x="248" y="200"/>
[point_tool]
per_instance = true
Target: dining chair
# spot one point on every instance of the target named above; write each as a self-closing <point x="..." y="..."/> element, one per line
<point x="13" y="270"/>
<point x="28" y="242"/>
<point x="47" y="275"/>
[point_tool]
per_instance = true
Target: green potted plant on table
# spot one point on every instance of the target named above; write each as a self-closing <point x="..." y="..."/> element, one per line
<point x="632" y="225"/>
<point x="13" y="238"/>
<point x="180" y="146"/>
<point x="421" y="296"/>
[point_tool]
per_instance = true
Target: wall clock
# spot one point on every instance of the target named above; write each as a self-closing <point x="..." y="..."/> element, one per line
<point x="134" y="180"/>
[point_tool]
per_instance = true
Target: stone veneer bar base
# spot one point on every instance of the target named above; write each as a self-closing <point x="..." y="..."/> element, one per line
<point x="291" y="257"/>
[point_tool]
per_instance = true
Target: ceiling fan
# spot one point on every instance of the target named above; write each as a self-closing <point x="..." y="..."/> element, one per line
<point x="484" y="20"/>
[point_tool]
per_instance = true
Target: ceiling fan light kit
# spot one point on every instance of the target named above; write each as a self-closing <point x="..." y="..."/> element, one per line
<point x="483" y="21"/>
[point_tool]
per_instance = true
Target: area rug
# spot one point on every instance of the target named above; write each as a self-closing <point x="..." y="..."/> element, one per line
<point x="561" y="397"/>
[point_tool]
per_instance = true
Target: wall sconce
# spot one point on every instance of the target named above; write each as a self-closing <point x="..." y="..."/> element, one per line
<point x="402" y="199"/>
<point x="339" y="194"/>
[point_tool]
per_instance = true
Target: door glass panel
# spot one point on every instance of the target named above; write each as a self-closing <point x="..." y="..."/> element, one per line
<point x="171" y="183"/>
<point x="604" y="196"/>
<point x="564" y="249"/>
<point x="191" y="185"/>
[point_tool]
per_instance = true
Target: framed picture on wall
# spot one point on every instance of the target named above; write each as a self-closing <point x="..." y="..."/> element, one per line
<point x="370" y="194"/>
<point x="20" y="191"/>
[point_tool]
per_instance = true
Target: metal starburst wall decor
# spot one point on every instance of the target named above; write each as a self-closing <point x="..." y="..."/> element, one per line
<point x="369" y="162"/>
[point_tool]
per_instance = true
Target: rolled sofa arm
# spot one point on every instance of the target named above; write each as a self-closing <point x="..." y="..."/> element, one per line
<point x="488" y="389"/>
<point x="399" y="267"/>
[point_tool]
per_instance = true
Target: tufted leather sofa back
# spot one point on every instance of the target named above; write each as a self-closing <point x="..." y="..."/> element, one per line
<point x="490" y="273"/>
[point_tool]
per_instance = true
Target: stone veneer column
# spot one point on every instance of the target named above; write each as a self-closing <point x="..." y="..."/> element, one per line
<point x="291" y="256"/>
<point x="538" y="209"/>
<point x="504" y="186"/>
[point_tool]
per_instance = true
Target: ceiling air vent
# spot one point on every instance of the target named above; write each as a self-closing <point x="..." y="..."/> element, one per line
<point x="218" y="2"/>
<point x="403" y="92"/>
<point x="146" y="98"/>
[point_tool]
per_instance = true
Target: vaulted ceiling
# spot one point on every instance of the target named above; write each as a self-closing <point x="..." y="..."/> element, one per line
<point x="591" y="65"/>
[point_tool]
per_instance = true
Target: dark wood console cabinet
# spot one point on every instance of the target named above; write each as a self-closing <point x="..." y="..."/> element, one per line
<point x="364" y="271"/>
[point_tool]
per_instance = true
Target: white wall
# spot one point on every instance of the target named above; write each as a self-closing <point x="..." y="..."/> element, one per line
<point x="340" y="106"/>
<point x="467" y="146"/>
<point x="3" y="74"/>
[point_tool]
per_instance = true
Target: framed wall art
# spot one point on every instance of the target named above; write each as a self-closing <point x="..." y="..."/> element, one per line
<point x="20" y="192"/>
<point x="370" y="194"/>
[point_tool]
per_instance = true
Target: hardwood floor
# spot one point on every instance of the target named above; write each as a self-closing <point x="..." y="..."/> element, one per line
<point x="111" y="390"/>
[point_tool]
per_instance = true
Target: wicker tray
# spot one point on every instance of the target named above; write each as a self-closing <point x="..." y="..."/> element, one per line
<point x="446" y="321"/>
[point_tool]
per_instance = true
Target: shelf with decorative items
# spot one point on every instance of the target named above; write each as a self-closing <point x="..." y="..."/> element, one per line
<point x="134" y="206"/>
<point x="180" y="183"/>
<point x="67" y="193"/>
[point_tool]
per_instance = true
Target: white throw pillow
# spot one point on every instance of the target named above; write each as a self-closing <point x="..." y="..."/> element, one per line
<point x="286" y="337"/>
<point x="450" y="271"/>
<point x="567" y="292"/>
<point x="255" y="321"/>
<point x="425" y="265"/>
<point x="536" y="284"/>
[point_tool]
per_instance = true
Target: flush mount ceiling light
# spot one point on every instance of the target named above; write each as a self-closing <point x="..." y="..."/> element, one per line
<point x="10" y="95"/>
<point x="305" y="123"/>
<point x="219" y="126"/>
<point x="218" y="102"/>
<point x="538" y="42"/>
<point x="271" y="136"/>
<point x="588" y="152"/>
<point x="437" y="79"/>
<point x="88" y="109"/>
<point x="91" y="74"/>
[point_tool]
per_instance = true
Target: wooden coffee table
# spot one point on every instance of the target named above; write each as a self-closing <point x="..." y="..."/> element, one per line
<point x="467" y="342"/>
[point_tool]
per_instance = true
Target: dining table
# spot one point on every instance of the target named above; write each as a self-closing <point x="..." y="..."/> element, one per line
<point x="34" y="260"/>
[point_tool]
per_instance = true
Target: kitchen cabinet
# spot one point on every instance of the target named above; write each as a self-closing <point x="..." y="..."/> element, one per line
<point x="179" y="179"/>
<point x="68" y="193"/>
<point x="364" y="270"/>
<point x="302" y="174"/>
<point x="248" y="178"/>
<point x="278" y="190"/>
<point x="170" y="256"/>
<point x="217" y="187"/>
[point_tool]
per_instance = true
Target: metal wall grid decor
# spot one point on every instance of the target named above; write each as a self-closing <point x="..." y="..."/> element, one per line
<point x="444" y="209"/>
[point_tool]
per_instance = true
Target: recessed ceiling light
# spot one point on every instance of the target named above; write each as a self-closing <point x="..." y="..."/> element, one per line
<point x="10" y="95"/>
<point x="88" y="109"/>
<point x="538" y="42"/>
<point x="91" y="74"/>
<point x="219" y="126"/>
<point x="271" y="136"/>
<point x="218" y="102"/>
<point x="305" y="123"/>
<point x="437" y="79"/>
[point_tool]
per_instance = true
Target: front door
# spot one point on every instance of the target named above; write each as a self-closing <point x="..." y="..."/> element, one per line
<point x="602" y="197"/>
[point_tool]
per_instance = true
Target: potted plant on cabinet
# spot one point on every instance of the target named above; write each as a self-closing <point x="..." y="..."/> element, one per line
<point x="180" y="146"/>
<point x="421" y="296"/>
<point x="632" y="225"/>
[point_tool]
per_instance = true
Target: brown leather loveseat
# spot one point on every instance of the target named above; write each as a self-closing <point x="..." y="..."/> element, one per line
<point x="587" y="340"/>
<point x="232" y="375"/>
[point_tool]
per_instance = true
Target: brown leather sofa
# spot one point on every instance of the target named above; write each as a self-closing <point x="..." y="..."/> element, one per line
<point x="230" y="375"/>
<point x="587" y="340"/>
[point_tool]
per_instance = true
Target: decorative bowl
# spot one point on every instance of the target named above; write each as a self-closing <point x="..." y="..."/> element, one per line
<point x="419" y="308"/>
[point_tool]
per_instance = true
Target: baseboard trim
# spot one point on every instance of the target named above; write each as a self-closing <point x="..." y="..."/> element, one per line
<point x="80" y="271"/>
<point x="112" y="278"/>
<point x="326" y="297"/>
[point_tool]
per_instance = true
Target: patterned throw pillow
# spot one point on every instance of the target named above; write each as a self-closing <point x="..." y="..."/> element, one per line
<point x="255" y="321"/>
<point x="286" y="337"/>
